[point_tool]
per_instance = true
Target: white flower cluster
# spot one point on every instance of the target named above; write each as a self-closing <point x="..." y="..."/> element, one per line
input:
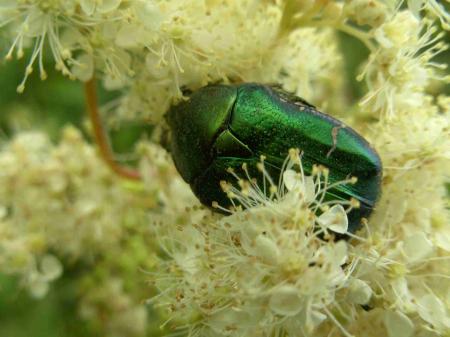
<point x="261" y="271"/>
<point x="267" y="269"/>
<point x="154" y="48"/>
<point x="37" y="179"/>
<point x="61" y="205"/>
<point x="402" y="68"/>
<point x="273" y="268"/>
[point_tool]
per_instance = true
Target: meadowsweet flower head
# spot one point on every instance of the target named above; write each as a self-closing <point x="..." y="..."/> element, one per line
<point x="399" y="72"/>
<point x="264" y="269"/>
<point x="60" y="206"/>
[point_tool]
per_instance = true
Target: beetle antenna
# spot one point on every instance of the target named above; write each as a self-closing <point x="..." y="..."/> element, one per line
<point x="100" y="136"/>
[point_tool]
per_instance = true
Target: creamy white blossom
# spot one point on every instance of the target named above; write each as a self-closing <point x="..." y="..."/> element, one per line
<point x="264" y="269"/>
<point x="273" y="266"/>
<point x="61" y="205"/>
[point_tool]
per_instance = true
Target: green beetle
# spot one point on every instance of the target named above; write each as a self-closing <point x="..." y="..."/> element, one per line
<point x="222" y="126"/>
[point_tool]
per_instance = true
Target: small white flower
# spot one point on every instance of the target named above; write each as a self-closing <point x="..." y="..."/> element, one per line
<point x="83" y="67"/>
<point x="292" y="179"/>
<point x="50" y="268"/>
<point x="38" y="279"/>
<point x="149" y="14"/>
<point x="402" y="294"/>
<point x="417" y="247"/>
<point x="128" y="36"/>
<point x="359" y="291"/>
<point x="403" y="29"/>
<point x="370" y="12"/>
<point x="334" y="219"/>
<point x="38" y="288"/>
<point x="266" y="248"/>
<point x="433" y="311"/>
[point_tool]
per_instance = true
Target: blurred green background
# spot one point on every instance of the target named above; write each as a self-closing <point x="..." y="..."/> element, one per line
<point x="48" y="106"/>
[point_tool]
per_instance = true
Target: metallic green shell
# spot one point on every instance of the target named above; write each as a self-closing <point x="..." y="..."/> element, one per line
<point x="222" y="126"/>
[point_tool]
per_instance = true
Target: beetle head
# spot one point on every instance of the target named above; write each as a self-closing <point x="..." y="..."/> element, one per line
<point x="195" y="124"/>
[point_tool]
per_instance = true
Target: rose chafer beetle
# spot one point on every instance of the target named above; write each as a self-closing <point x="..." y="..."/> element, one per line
<point x="223" y="126"/>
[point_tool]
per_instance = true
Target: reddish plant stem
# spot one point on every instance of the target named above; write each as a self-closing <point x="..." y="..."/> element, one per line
<point x="100" y="136"/>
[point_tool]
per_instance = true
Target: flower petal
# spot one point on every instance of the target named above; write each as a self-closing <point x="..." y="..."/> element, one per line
<point x="334" y="219"/>
<point x="285" y="301"/>
<point x="397" y="324"/>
